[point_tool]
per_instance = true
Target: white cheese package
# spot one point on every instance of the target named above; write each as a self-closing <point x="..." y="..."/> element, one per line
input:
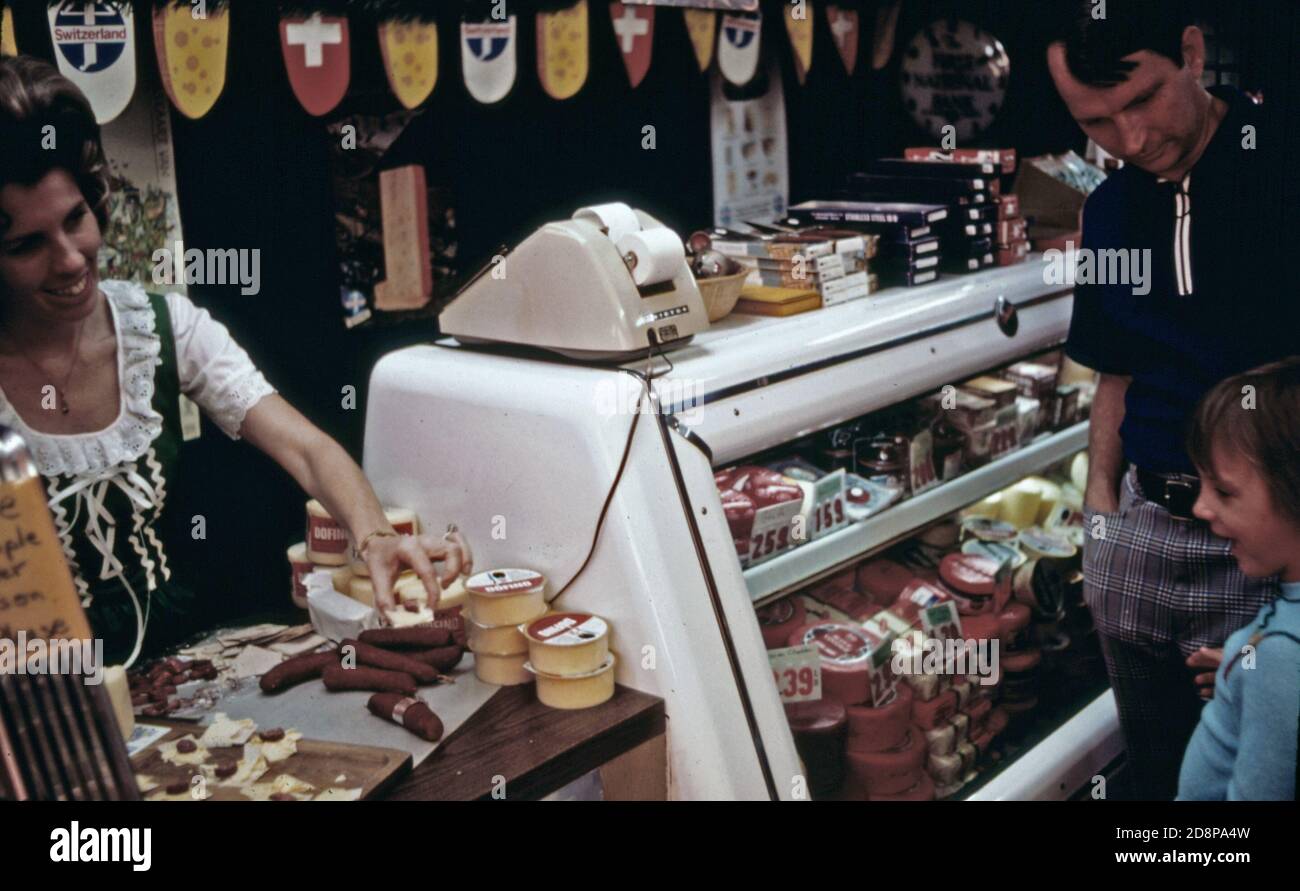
<point x="332" y="614"/>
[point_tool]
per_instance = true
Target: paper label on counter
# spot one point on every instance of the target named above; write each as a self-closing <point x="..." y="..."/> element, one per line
<point x="921" y="463"/>
<point x="797" y="672"/>
<point x="884" y="682"/>
<point x="828" y="505"/>
<point x="842" y="290"/>
<point x="771" y="532"/>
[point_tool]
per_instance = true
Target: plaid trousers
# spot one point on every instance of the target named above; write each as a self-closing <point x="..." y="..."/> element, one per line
<point x="1159" y="588"/>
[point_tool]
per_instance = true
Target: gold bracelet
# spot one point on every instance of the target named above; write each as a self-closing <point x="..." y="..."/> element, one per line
<point x="360" y="550"/>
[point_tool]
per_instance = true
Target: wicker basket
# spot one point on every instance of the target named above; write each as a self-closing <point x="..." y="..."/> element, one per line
<point x="721" y="293"/>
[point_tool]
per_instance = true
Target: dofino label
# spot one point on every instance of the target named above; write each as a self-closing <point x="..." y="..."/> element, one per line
<point x="567" y="629"/>
<point x="504" y="581"/>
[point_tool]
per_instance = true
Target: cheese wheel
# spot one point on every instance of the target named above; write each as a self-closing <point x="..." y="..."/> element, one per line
<point x="777" y="620"/>
<point x="507" y="640"/>
<point x="1044" y="544"/>
<point x="845" y="652"/>
<point x="941" y="740"/>
<point x="299" y="565"/>
<point x="969" y="574"/>
<point x="878" y="729"/>
<point x="119" y="694"/>
<point x="882" y="580"/>
<point x="946" y="769"/>
<point x="504" y="671"/>
<point x="889" y="772"/>
<point x="567" y="644"/>
<point x="362" y="590"/>
<point x="1020" y="506"/>
<point x="923" y="791"/>
<point x="327" y="541"/>
<point x="407" y="587"/>
<point x="342" y="576"/>
<point x="506" y="596"/>
<point x="929" y="715"/>
<point x="575" y="691"/>
<point x="989" y="508"/>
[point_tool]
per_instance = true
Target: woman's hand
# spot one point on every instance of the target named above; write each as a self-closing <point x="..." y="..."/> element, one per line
<point x="388" y="556"/>
<point x="1208" y="658"/>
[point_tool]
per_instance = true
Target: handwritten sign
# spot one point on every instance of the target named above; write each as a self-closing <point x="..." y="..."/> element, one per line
<point x="771" y="532"/>
<point x="797" y="672"/>
<point x="828" y="505"/>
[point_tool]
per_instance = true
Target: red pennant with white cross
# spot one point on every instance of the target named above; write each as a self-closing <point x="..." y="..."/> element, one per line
<point x="634" y="29"/>
<point x="318" y="59"/>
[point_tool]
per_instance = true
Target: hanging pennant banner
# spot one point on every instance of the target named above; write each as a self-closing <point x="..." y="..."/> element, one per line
<point x="844" y="28"/>
<point x="410" y="51"/>
<point x="634" y="29"/>
<point x="562" y="50"/>
<point x="94" y="46"/>
<point x="317" y="55"/>
<point x="8" y="43"/>
<point x="799" y="25"/>
<point x="738" y="48"/>
<point x="191" y="56"/>
<point x="487" y="54"/>
<point x="702" y="25"/>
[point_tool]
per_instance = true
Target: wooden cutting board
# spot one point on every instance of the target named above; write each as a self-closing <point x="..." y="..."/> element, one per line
<point x="372" y="769"/>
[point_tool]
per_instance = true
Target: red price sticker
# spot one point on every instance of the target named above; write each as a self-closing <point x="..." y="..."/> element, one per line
<point x="797" y="672"/>
<point x="828" y="505"/>
<point x="771" y="533"/>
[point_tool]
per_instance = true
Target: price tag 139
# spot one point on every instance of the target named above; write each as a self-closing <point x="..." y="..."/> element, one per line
<point x="797" y="672"/>
<point x="828" y="505"/>
<point x="883" y="680"/>
<point x="772" y="532"/>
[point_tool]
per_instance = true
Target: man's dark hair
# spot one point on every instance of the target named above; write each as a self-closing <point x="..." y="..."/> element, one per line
<point x="1095" y="47"/>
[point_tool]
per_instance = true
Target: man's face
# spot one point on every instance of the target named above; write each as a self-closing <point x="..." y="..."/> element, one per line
<point x="1153" y="119"/>
<point x="1236" y="502"/>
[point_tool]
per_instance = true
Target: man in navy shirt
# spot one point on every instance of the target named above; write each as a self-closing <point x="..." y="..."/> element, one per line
<point x="1194" y="197"/>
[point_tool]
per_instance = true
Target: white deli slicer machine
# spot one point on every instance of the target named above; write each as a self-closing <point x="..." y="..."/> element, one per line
<point x="612" y="283"/>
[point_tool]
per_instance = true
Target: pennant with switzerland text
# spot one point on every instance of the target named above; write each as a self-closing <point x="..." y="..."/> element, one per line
<point x="94" y="47"/>
<point x="487" y="58"/>
<point x="738" y="47"/>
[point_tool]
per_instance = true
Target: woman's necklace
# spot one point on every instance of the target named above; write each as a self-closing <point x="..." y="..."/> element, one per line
<point x="61" y="393"/>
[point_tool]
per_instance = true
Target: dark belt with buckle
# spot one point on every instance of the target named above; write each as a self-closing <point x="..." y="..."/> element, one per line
<point x="1175" y="492"/>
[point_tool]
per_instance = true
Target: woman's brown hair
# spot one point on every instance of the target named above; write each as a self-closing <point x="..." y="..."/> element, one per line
<point x="33" y="95"/>
<point x="1257" y="415"/>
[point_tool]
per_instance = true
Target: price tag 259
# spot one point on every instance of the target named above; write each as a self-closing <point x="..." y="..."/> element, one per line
<point x="797" y="672"/>
<point x="771" y="534"/>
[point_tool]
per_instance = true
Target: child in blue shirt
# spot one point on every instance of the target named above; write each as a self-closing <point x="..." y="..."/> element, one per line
<point x="1245" y="443"/>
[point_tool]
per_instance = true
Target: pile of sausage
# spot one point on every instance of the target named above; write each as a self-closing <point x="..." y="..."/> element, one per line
<point x="389" y="662"/>
<point x="154" y="688"/>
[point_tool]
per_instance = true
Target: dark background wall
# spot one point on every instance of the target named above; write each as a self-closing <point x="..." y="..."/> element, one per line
<point x="254" y="173"/>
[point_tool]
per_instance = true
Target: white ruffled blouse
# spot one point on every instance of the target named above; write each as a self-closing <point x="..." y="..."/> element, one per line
<point x="214" y="371"/>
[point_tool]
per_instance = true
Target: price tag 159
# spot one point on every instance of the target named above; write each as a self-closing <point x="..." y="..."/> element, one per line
<point x="828" y="505"/>
<point x="797" y="672"/>
<point x="772" y="530"/>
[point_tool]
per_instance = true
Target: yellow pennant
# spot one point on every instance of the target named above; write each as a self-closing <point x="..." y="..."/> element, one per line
<point x="410" y="51"/>
<point x="192" y="56"/>
<point x="702" y="25"/>
<point x="799" y="25"/>
<point x="562" y="50"/>
<point x="8" y="44"/>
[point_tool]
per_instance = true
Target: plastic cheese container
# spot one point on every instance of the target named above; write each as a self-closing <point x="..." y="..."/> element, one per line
<point x="506" y="596"/>
<point x="299" y="566"/>
<point x="504" y="671"/>
<point x="327" y="541"/>
<point x="567" y="644"/>
<point x="845" y="652"/>
<point x="575" y="691"/>
<point x="506" y="640"/>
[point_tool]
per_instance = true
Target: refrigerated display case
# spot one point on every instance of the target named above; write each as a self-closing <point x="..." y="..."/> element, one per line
<point x="525" y="452"/>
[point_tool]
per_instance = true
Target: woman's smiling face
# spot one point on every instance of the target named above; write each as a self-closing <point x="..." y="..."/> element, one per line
<point x="49" y="251"/>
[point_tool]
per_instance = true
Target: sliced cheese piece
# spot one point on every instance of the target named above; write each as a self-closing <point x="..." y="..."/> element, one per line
<point x="567" y="644"/>
<point x="145" y="783"/>
<point x="282" y="749"/>
<point x="575" y="691"/>
<point x="454" y="595"/>
<point x="285" y="783"/>
<point x="505" y="671"/>
<point x="223" y="731"/>
<point x="249" y="768"/>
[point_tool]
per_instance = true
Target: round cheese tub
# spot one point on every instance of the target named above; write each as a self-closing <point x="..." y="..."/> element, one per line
<point x="507" y="640"/>
<point x="575" y="691"/>
<point x="504" y="671"/>
<point x="567" y="644"/>
<point x="407" y="587"/>
<point x="986" y="529"/>
<point x="327" y="541"/>
<point x="506" y="597"/>
<point x="1043" y="544"/>
<point x="299" y="566"/>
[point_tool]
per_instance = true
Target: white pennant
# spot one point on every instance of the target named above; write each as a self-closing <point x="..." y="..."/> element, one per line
<point x="738" y="47"/>
<point x="94" y="46"/>
<point x="487" y="53"/>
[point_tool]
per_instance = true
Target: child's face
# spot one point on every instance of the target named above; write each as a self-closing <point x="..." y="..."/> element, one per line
<point x="1236" y="502"/>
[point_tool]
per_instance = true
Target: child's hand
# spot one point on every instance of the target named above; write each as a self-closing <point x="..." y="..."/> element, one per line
<point x="1209" y="659"/>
